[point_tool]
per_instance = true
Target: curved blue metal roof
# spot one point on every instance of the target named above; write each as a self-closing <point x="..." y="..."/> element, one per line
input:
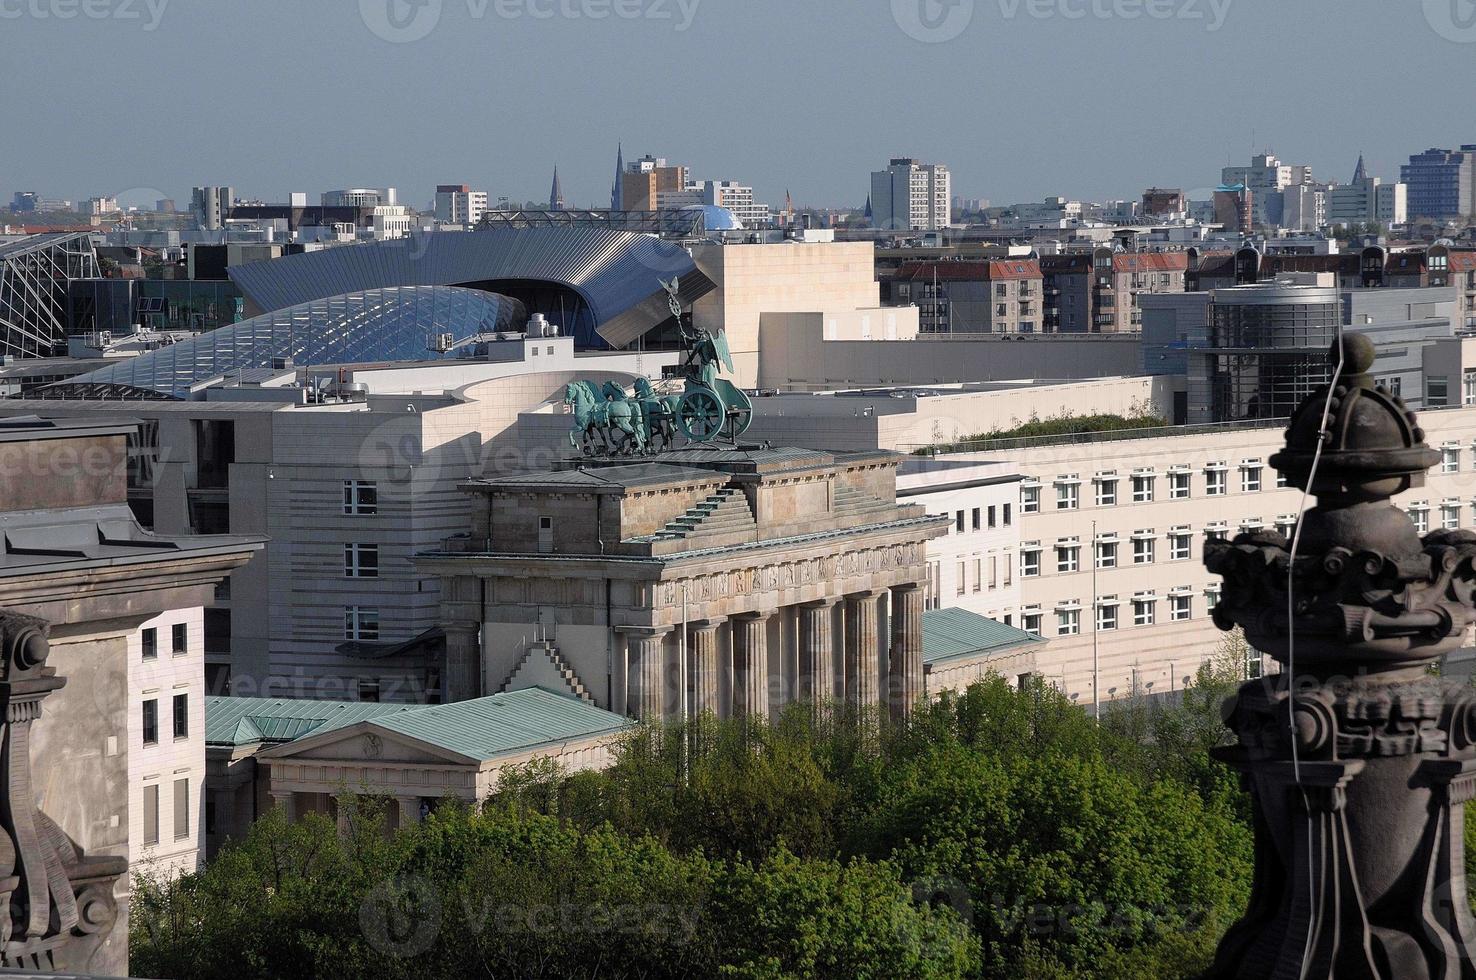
<point x="373" y="325"/>
<point x="716" y="218"/>
<point x="615" y="272"/>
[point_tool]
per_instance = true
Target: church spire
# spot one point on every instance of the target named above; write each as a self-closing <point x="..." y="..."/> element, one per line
<point x="556" y="195"/>
<point x="615" y="192"/>
<point x="1358" y="172"/>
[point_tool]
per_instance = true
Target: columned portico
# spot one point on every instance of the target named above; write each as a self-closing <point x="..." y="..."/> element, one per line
<point x="751" y="666"/>
<point x="904" y="669"/>
<point x="645" y="698"/>
<point x="703" y="645"/>
<point x="863" y="656"/>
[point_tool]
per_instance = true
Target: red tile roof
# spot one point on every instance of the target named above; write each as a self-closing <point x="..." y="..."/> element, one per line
<point x="965" y="271"/>
<point x="1150" y="262"/>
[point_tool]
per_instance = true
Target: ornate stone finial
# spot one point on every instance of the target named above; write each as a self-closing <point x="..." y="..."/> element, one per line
<point x="60" y="902"/>
<point x="1359" y="767"/>
<point x="1368" y="590"/>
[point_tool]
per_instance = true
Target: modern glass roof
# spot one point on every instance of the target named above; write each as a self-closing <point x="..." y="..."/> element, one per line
<point x="392" y="324"/>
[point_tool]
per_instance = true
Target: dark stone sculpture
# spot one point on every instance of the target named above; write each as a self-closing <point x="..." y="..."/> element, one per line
<point x="60" y="902"/>
<point x="1358" y="835"/>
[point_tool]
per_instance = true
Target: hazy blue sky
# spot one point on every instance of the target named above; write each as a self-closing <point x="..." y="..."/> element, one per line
<point x="1089" y="98"/>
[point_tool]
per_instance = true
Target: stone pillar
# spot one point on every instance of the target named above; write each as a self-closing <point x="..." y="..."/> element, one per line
<point x="703" y="647"/>
<point x="817" y="652"/>
<point x="863" y="660"/>
<point x="1359" y="763"/>
<point x="751" y="666"/>
<point x="645" y="698"/>
<point x="409" y="810"/>
<point x="463" y="675"/>
<point x="905" y="666"/>
<point x="283" y="799"/>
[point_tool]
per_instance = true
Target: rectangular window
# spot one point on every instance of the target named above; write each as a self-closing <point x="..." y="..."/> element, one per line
<point x="1436" y="392"/>
<point x="1178" y="486"/>
<point x="1106" y="554"/>
<point x="1106" y="492"/>
<point x="1005" y="514"/>
<point x="181" y="809"/>
<point x="361" y="561"/>
<point x="1068" y="622"/>
<point x="1178" y="545"/>
<point x="1007" y="564"/>
<point x="179" y="637"/>
<point x="1142" y="551"/>
<point x="369" y="690"/>
<point x="1250" y="479"/>
<point x="1179" y="607"/>
<point x="1029" y="564"/>
<point x="151" y="814"/>
<point x="977" y="522"/>
<point x="1420" y="515"/>
<point x="1450" y="516"/>
<point x="1468" y="386"/>
<point x="1211" y="598"/>
<point x="1450" y="459"/>
<point x="1030" y="500"/>
<point x="1068" y="496"/>
<point x="993" y="516"/>
<point x="360" y="497"/>
<point x="1107" y="617"/>
<point x="1142" y="489"/>
<point x="962" y="582"/>
<point x="958" y="521"/>
<point x="1143" y="612"/>
<point x="1066" y="558"/>
<point x="1214" y="483"/>
<point x="993" y="572"/>
<point x="1030" y="622"/>
<point x="181" y="716"/>
<point x="150" y="643"/>
<point x="361" y="622"/>
<point x="151" y="722"/>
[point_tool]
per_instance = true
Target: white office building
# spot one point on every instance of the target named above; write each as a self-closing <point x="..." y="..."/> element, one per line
<point x="911" y="196"/>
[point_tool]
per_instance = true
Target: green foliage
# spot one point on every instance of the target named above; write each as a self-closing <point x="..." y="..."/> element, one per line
<point x="1066" y="424"/>
<point x="1000" y="834"/>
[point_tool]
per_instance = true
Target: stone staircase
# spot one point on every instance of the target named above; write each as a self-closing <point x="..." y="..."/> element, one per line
<point x="850" y="501"/>
<point x="724" y="512"/>
<point x="540" y="658"/>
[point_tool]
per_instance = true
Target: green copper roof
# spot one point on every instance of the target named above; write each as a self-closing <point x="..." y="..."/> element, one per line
<point x="512" y="721"/>
<point x="482" y="729"/>
<point x="246" y="721"/>
<point x="952" y="632"/>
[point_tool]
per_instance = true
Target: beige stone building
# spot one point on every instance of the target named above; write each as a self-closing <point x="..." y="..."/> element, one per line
<point x="731" y="581"/>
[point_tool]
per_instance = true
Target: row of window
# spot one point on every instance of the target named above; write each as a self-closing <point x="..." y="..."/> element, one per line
<point x="179" y="641"/>
<point x="181" y="811"/>
<point x="181" y="704"/>
<point x="1142" y="488"/>
<point x="981" y="518"/>
<point x="977" y="574"/>
<point x="1110" y="616"/>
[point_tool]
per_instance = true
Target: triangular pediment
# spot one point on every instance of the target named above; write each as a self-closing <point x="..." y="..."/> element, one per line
<point x="367" y="743"/>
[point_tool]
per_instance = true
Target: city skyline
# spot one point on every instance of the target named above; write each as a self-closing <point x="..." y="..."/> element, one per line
<point x="427" y="113"/>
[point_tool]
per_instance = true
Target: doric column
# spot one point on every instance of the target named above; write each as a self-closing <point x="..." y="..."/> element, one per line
<point x="645" y="698"/>
<point x="463" y="676"/>
<point x="704" y="648"/>
<point x="817" y="652"/>
<point x="905" y="666"/>
<point x="751" y="666"/>
<point x="863" y="659"/>
<point x="283" y="799"/>
<point x="409" y="810"/>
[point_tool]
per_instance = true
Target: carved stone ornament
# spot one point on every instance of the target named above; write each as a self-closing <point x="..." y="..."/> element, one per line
<point x="60" y="900"/>
<point x="1358" y="761"/>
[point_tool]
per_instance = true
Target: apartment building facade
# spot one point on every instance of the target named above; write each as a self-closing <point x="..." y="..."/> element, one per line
<point x="1111" y="537"/>
<point x="166" y="751"/>
<point x="911" y="196"/>
<point x="1442" y="183"/>
<point x="997" y="296"/>
<point x="1098" y="292"/>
